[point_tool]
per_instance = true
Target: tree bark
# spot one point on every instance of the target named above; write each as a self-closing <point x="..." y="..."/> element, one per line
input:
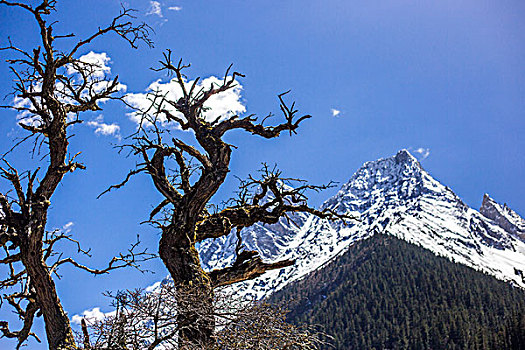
<point x="58" y="328"/>
<point x="196" y="323"/>
<point x="57" y="325"/>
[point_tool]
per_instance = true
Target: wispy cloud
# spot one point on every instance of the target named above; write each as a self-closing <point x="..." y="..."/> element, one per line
<point x="155" y="9"/>
<point x="421" y="153"/>
<point x="175" y="8"/>
<point x="223" y="105"/>
<point x="68" y="227"/>
<point x="104" y="129"/>
<point x="335" y="112"/>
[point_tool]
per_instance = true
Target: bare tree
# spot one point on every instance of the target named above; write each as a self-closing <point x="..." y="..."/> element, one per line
<point x="52" y="88"/>
<point x="201" y="167"/>
<point x="147" y="320"/>
<point x="263" y="326"/>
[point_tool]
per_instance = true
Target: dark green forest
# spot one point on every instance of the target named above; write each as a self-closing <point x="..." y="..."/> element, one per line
<point x="384" y="293"/>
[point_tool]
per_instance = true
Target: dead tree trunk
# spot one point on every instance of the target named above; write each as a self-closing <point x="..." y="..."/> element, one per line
<point x="58" y="328"/>
<point x="196" y="324"/>
<point x="178" y="252"/>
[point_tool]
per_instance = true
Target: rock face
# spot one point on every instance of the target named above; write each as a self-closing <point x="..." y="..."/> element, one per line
<point x="393" y="196"/>
<point x="503" y="216"/>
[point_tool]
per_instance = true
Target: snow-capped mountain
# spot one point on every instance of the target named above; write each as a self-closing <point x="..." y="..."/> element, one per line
<point x="394" y="196"/>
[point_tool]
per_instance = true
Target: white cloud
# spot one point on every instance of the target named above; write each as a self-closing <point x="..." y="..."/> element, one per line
<point x="25" y="116"/>
<point x="68" y="227"/>
<point x="90" y="315"/>
<point x="105" y="129"/>
<point x="155" y="9"/>
<point x="97" y="67"/>
<point x="223" y="105"/>
<point x="335" y="112"/>
<point x="421" y="153"/>
<point x="175" y="8"/>
<point x="98" y="62"/>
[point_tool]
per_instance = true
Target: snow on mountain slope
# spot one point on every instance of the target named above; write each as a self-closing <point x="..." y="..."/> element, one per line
<point x="393" y="196"/>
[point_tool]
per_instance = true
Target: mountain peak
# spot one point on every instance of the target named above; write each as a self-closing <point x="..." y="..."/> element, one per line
<point x="403" y="163"/>
<point x="487" y="200"/>
<point x="404" y="156"/>
<point x="395" y="177"/>
<point x="398" y="163"/>
<point x="503" y="216"/>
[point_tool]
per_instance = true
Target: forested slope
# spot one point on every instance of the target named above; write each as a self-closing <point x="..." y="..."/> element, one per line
<point x="384" y="293"/>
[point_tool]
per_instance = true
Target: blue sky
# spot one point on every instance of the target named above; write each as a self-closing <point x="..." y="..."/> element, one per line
<point x="446" y="77"/>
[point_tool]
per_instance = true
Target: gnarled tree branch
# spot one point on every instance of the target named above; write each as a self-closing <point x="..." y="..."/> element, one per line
<point x="247" y="266"/>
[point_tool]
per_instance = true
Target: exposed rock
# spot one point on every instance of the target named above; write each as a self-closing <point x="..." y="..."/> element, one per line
<point x="503" y="216"/>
